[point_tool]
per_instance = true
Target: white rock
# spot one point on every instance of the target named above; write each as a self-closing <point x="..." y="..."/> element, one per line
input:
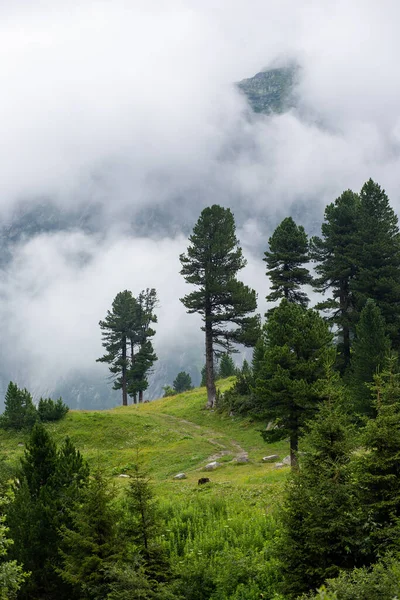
<point x="124" y="476"/>
<point x="242" y="458"/>
<point x="212" y="466"/>
<point x="279" y="465"/>
<point x="270" y="458"/>
<point x="286" y="460"/>
<point x="180" y="476"/>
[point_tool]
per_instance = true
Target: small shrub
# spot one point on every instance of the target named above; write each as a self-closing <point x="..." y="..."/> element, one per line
<point x="50" y="410"/>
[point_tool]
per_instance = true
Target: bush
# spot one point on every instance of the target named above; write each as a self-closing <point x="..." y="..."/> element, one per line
<point x="50" y="410"/>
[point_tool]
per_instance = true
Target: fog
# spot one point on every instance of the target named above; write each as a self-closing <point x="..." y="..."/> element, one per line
<point x="130" y="108"/>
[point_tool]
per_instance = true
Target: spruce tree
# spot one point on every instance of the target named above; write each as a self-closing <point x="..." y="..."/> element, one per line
<point x="182" y="382"/>
<point x="377" y="257"/>
<point x="379" y="466"/>
<point x="211" y="263"/>
<point x="287" y="255"/>
<point x="19" y="410"/>
<point x="370" y="350"/>
<point x="298" y="343"/>
<point x="49" y="484"/>
<point x="334" y="253"/>
<point x="90" y="547"/>
<point x="226" y="366"/>
<point x="321" y="520"/>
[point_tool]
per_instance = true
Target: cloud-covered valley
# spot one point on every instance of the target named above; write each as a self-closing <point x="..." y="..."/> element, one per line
<point x="128" y="111"/>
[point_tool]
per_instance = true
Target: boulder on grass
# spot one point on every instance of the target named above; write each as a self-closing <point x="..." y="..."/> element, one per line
<point x="180" y="476"/>
<point x="270" y="458"/>
<point x="212" y="466"/>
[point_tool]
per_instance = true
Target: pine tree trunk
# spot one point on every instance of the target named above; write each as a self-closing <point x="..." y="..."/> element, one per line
<point x="140" y="396"/>
<point x="344" y="307"/>
<point x="210" y="382"/>
<point x="294" y="446"/>
<point x="124" y="390"/>
<point x="135" y="398"/>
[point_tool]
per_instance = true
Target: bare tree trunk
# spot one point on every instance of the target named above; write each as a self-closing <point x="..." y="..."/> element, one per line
<point x="140" y="396"/>
<point x="210" y="381"/>
<point x="294" y="446"/>
<point x="124" y="391"/>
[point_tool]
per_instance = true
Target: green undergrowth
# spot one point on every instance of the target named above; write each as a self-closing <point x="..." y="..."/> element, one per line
<point x="169" y="435"/>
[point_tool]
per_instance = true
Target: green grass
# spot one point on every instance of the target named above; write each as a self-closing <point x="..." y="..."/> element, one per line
<point x="170" y="435"/>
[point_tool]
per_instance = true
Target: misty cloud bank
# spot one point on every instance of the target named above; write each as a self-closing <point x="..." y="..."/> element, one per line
<point x="127" y="112"/>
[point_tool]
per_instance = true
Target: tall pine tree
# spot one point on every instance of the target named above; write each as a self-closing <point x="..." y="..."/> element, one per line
<point x="334" y="253"/>
<point x="211" y="263"/>
<point x="287" y="255"/>
<point x="377" y="257"/>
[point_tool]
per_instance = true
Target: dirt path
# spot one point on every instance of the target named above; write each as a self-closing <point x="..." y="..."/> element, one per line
<point x="224" y="451"/>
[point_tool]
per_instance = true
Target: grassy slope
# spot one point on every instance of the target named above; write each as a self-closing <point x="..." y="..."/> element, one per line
<point x="171" y="435"/>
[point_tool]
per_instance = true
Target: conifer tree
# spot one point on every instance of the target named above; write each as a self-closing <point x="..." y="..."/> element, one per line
<point x="12" y="575"/>
<point x="19" y="410"/>
<point x="379" y="466"/>
<point x="321" y="518"/>
<point x="377" y="257"/>
<point x="117" y="329"/>
<point x="226" y="366"/>
<point x="182" y="382"/>
<point x="90" y="546"/>
<point x="287" y="255"/>
<point x="370" y="350"/>
<point x="49" y="484"/>
<point x="211" y="263"/>
<point x="334" y="253"/>
<point x="298" y="343"/>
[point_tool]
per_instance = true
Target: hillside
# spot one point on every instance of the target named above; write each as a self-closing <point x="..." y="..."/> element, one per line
<point x="172" y="435"/>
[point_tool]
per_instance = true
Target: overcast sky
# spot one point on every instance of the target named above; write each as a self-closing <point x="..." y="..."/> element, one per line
<point x="130" y="105"/>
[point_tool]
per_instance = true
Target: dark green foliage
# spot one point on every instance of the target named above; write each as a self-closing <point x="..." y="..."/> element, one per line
<point x="182" y="382"/>
<point x="381" y="582"/>
<point x="203" y="376"/>
<point x="90" y="546"/>
<point x="226" y="366"/>
<point x="298" y="344"/>
<point x="129" y="352"/>
<point x="370" y="350"/>
<point x="211" y="263"/>
<point x="378" y="257"/>
<point x="48" y="486"/>
<point x="50" y="410"/>
<point x="334" y="253"/>
<point x="19" y="410"/>
<point x="116" y="331"/>
<point x="288" y="253"/>
<point x="11" y="573"/>
<point x="379" y="465"/>
<point x="321" y="518"/>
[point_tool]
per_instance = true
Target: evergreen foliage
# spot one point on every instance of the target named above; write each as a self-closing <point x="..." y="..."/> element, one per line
<point x="211" y="263"/>
<point x="226" y="367"/>
<point x="377" y="257"/>
<point x="19" y="410"/>
<point x="381" y="582"/>
<point x="379" y="465"/>
<point x="12" y="575"/>
<point x="48" y="485"/>
<point x="90" y="546"/>
<point x="334" y="253"/>
<point x="287" y="255"/>
<point x="50" y="410"/>
<point x="182" y="382"/>
<point x="370" y="350"/>
<point x="129" y="352"/>
<point x="168" y="391"/>
<point x="298" y="344"/>
<point x="321" y="518"/>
